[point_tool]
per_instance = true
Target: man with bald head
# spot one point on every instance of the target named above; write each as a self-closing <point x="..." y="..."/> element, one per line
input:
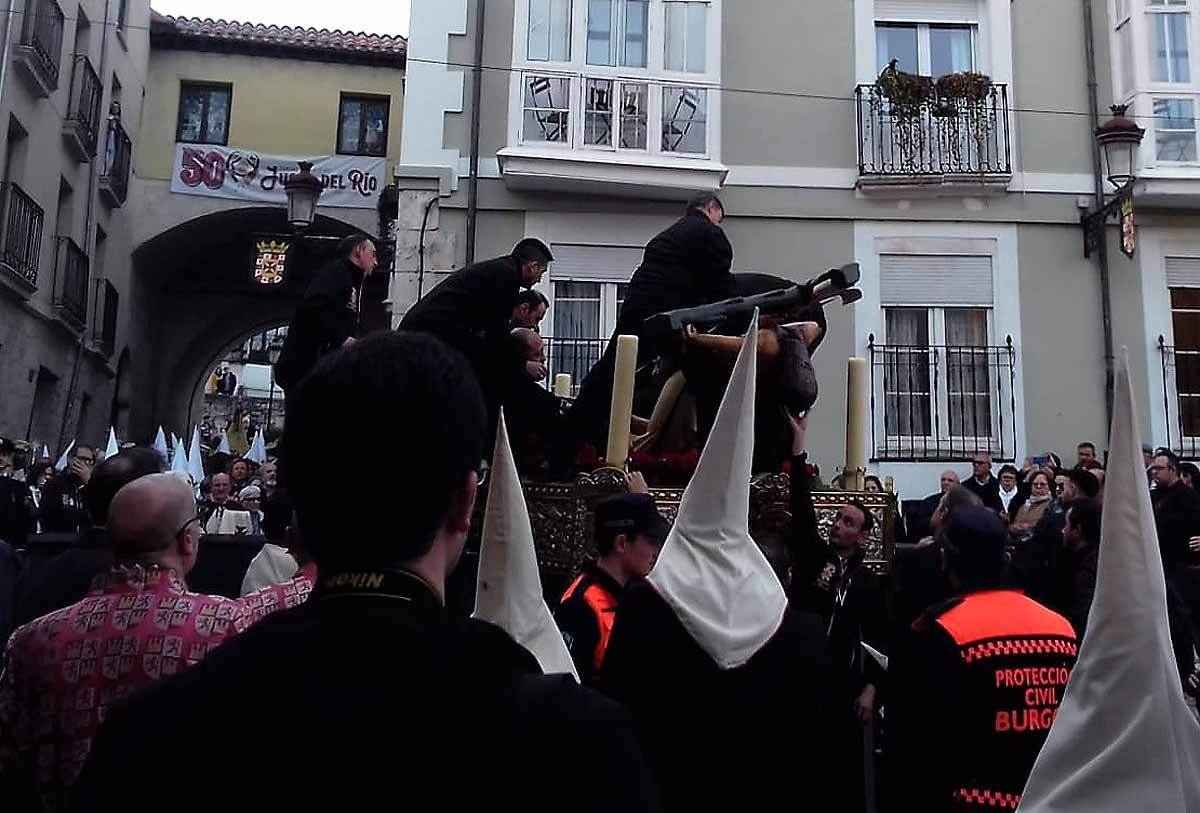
<point x="138" y="624"/>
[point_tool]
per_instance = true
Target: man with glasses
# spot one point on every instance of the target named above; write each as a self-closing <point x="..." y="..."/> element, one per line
<point x="63" y="508"/>
<point x="138" y="624"/>
<point x="983" y="483"/>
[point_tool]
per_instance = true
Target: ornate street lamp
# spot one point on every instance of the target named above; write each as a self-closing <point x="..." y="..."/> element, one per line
<point x="303" y="189"/>
<point x="1119" y="139"/>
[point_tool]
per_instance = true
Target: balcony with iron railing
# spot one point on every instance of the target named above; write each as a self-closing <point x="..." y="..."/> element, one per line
<point x="118" y="150"/>
<point x="942" y="402"/>
<point x="81" y="127"/>
<point x="104" y="318"/>
<point x="933" y="142"/>
<point x="573" y="356"/>
<point x="1181" y="398"/>
<point x="70" y="283"/>
<point x="39" y="51"/>
<point x="21" y="249"/>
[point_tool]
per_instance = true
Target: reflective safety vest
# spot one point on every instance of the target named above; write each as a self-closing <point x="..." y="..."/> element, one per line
<point x="1014" y="659"/>
<point x="603" y="604"/>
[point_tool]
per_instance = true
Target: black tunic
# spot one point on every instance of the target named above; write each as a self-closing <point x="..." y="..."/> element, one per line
<point x="327" y="317"/>
<point x="749" y="738"/>
<point x="367" y="699"/>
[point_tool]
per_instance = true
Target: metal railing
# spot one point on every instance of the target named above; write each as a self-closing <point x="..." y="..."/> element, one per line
<point x="22" y="248"/>
<point x="117" y="152"/>
<point x="942" y="402"/>
<point x="1181" y="398"/>
<point x="71" y="283"/>
<point x="572" y="356"/>
<point x="106" y="324"/>
<point x="42" y="30"/>
<point x="936" y="136"/>
<point x="84" y="110"/>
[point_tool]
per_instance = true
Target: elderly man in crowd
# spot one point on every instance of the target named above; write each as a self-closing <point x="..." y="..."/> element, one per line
<point x="137" y="625"/>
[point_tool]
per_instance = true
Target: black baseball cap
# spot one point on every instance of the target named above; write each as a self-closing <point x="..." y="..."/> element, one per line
<point x="630" y="514"/>
<point x="980" y="539"/>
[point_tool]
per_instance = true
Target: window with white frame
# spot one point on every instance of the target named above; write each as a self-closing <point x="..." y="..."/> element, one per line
<point x="1123" y="26"/>
<point x="938" y="367"/>
<point x="587" y="289"/>
<point x="1175" y="130"/>
<point x="929" y="49"/>
<point x="1168" y="32"/>
<point x="597" y="74"/>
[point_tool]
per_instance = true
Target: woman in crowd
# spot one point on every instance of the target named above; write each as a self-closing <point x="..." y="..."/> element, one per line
<point x="1028" y="515"/>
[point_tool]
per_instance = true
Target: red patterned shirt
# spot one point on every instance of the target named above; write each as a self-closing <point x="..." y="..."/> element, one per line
<point x="65" y="669"/>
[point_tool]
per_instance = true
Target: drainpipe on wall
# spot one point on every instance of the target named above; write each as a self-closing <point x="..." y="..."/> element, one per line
<point x="476" y="93"/>
<point x="1089" y="48"/>
<point x="94" y="169"/>
<point x="6" y="27"/>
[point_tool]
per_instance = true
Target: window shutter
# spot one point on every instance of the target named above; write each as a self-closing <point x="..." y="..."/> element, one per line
<point x="926" y="279"/>
<point x="928" y="11"/>
<point x="1183" y="272"/>
<point x="600" y="263"/>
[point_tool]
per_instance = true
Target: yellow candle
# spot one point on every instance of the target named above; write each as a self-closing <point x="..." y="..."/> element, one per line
<point x="856" y="422"/>
<point x="622" y="402"/>
<point x="562" y="385"/>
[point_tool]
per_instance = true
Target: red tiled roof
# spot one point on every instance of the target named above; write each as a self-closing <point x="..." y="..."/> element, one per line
<point x="313" y="41"/>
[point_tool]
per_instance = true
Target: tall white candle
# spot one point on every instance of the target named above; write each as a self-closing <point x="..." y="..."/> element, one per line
<point x="562" y="385"/>
<point x="622" y="402"/>
<point x="856" y="422"/>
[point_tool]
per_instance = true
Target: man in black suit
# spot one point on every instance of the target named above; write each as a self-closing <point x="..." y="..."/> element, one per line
<point x="687" y="264"/>
<point x="983" y="483"/>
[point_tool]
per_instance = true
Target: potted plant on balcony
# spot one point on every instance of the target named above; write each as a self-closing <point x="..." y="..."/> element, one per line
<point x="963" y="98"/>
<point x="907" y="95"/>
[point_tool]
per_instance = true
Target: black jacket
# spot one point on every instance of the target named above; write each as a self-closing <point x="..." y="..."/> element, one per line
<point x="63" y="509"/>
<point x="989" y="492"/>
<point x="471" y="308"/>
<point x="737" y="739"/>
<point x="853" y="608"/>
<point x="1177" y="519"/>
<point x="688" y="264"/>
<point x="16" y="511"/>
<point x="65" y="579"/>
<point x="372" y="693"/>
<point x="327" y="317"/>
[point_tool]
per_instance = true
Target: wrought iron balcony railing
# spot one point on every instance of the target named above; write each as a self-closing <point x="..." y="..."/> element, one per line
<point x="114" y="180"/>
<point x="71" y="283"/>
<point x="951" y="138"/>
<point x="82" y="124"/>
<point x="22" y="246"/>
<point x="572" y="356"/>
<point x="942" y="402"/>
<point x="40" y="48"/>
<point x="1181" y="398"/>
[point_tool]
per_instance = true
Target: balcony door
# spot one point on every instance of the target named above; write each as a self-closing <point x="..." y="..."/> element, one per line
<point x="1185" y="321"/>
<point x="929" y="49"/>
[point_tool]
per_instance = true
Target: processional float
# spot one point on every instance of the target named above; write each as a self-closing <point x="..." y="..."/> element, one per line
<point x="694" y="351"/>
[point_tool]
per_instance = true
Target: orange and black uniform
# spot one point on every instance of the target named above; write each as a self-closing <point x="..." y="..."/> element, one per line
<point x="585" y="615"/>
<point x="977" y="698"/>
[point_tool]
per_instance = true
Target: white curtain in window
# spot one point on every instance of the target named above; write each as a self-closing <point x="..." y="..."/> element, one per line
<point x="686" y="36"/>
<point x="906" y="363"/>
<point x="950" y="49"/>
<point x="968" y="382"/>
<point x="578" y="334"/>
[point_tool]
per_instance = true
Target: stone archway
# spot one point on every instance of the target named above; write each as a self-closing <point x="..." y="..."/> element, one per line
<point x="201" y="296"/>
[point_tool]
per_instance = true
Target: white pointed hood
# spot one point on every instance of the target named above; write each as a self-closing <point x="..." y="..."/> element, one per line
<point x="160" y="443"/>
<point x="710" y="571"/>
<point x="258" y="449"/>
<point x="179" y="461"/>
<point x="508" y="592"/>
<point x="1124" y="738"/>
<point x="195" y="460"/>
<point x="113" y="447"/>
<point x="223" y="447"/>
<point x="61" y="465"/>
